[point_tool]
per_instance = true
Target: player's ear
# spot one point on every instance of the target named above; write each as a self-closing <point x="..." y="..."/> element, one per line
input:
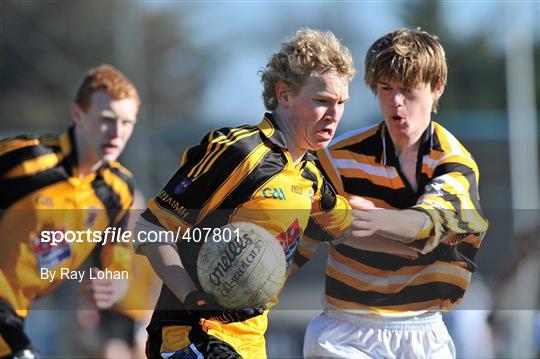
<point x="438" y="91"/>
<point x="283" y="93"/>
<point x="76" y="113"/>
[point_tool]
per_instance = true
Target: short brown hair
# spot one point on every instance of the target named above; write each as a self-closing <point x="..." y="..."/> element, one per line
<point x="309" y="53"/>
<point x="410" y="57"/>
<point x="109" y="79"/>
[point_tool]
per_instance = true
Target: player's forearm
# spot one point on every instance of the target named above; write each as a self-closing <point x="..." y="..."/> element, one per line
<point x="401" y="225"/>
<point x="165" y="260"/>
<point x="167" y="264"/>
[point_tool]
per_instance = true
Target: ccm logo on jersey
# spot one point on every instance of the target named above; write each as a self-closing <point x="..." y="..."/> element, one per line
<point x="275" y="193"/>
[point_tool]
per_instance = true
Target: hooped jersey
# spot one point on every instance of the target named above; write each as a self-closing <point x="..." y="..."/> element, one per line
<point x="40" y="191"/>
<point x="364" y="163"/>
<point x="244" y="174"/>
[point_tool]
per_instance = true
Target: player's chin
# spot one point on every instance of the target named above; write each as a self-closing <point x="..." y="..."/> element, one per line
<point x="111" y="156"/>
<point x="320" y="145"/>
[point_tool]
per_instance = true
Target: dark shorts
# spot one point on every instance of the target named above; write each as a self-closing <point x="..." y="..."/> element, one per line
<point x="11" y="332"/>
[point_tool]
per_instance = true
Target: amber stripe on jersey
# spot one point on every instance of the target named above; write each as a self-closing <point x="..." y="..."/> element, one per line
<point x="217" y="146"/>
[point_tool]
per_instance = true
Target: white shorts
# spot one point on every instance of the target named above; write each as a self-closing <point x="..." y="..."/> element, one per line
<point x="340" y="334"/>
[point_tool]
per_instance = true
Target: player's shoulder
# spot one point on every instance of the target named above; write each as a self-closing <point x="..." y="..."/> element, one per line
<point x="122" y="173"/>
<point x="358" y="138"/>
<point x="236" y="140"/>
<point x="24" y="147"/>
<point x="445" y="142"/>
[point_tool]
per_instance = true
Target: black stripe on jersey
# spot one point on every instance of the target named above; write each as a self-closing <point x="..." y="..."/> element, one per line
<point x="317" y="232"/>
<point x="449" y="215"/>
<point x="421" y="243"/>
<point x="382" y="261"/>
<point x="13" y="189"/>
<point x="270" y="165"/>
<point x="124" y="177"/>
<point x="107" y="196"/>
<point x="150" y="217"/>
<point x="370" y="146"/>
<point x="399" y="198"/>
<point x="436" y="142"/>
<point x="422" y="180"/>
<point x="467" y="249"/>
<point x="452" y="198"/>
<point x="442" y="253"/>
<point x="469" y="175"/>
<point x="16" y="157"/>
<point x="328" y="200"/>
<point x="209" y="182"/>
<point x="245" y="131"/>
<point x="462" y="254"/>
<point x="217" y="147"/>
<point x="409" y="295"/>
<point x="299" y="259"/>
<point x="191" y="154"/>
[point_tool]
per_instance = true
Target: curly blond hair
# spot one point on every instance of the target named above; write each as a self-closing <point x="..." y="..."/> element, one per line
<point x="309" y="53"/>
<point x="107" y="78"/>
<point x="409" y="57"/>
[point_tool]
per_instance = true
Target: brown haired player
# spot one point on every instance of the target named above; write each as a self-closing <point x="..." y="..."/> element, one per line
<point x="417" y="222"/>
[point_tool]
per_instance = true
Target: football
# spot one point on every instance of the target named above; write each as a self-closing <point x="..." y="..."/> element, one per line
<point x="246" y="268"/>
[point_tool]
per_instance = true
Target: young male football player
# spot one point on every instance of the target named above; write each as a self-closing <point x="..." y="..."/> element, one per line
<point x="54" y="185"/>
<point x="230" y="177"/>
<point x="417" y="222"/>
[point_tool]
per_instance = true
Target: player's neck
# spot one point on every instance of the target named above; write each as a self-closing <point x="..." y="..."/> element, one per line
<point x="406" y="149"/>
<point x="287" y="129"/>
<point x="406" y="143"/>
<point x="87" y="163"/>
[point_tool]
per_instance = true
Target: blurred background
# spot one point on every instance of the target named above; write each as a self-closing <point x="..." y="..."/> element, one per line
<point x="195" y="65"/>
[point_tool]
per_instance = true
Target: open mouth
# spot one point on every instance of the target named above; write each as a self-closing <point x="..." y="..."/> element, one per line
<point x="109" y="147"/>
<point x="401" y="121"/>
<point x="325" y="133"/>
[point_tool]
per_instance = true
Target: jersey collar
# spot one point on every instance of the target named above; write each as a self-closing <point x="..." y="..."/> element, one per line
<point x="428" y="142"/>
<point x="69" y="153"/>
<point x="270" y="130"/>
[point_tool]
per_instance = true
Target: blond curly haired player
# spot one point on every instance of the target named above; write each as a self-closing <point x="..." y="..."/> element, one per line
<point x="262" y="174"/>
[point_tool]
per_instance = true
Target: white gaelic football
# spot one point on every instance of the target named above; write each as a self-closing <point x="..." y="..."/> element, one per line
<point x="246" y="268"/>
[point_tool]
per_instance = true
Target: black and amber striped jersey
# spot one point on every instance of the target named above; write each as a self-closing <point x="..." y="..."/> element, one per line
<point x="364" y="163"/>
<point x="40" y="190"/>
<point x="245" y="174"/>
